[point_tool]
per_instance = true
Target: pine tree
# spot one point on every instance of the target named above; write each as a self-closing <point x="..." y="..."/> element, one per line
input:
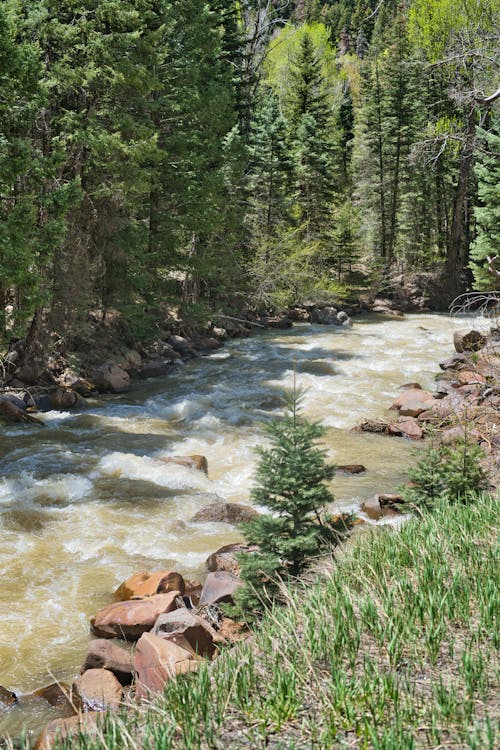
<point x="291" y="481"/>
<point x="487" y="213"/>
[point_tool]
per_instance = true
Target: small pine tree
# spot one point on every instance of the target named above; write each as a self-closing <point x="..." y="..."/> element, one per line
<point x="291" y="482"/>
<point x="446" y="474"/>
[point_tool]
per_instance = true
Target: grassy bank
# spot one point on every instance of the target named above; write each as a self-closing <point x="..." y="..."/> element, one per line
<point x="393" y="647"/>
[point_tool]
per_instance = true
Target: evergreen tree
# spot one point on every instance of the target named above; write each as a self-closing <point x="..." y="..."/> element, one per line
<point x="487" y="213"/>
<point x="291" y="478"/>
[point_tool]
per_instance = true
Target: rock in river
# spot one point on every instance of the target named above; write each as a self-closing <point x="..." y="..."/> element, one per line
<point x="98" y="690"/>
<point x="104" y="654"/>
<point x="225" y="513"/>
<point x="149" y="584"/>
<point x="129" y="620"/>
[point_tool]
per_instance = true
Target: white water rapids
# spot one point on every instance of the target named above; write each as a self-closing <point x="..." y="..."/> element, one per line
<point x="84" y="502"/>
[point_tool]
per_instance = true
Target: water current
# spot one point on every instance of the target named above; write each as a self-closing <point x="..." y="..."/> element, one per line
<point x="85" y="502"/>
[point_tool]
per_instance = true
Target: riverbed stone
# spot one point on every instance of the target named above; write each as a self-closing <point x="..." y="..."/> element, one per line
<point x="187" y="629"/>
<point x="60" y="729"/>
<point x="225" y="558"/>
<point x="377" y="426"/>
<point x="225" y="513"/>
<point x="454" y="435"/>
<point x="110" y="378"/>
<point x="468" y="377"/>
<point x="98" y="690"/>
<point x="219" y="588"/>
<point x="412" y="402"/>
<point x="7" y="698"/>
<point x="406" y="427"/>
<point x="468" y="341"/>
<point x="56" y="694"/>
<point x="130" y="619"/>
<point x="157" y="661"/>
<point x="104" y="654"/>
<point x="324" y="315"/>
<point x="351" y="468"/>
<point x="195" y="461"/>
<point x="148" y="584"/>
<point x="377" y="508"/>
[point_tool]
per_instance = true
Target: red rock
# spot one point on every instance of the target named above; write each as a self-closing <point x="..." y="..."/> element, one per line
<point x="412" y="402"/>
<point x="193" y="592"/>
<point x="410" y="386"/>
<point x="103" y="654"/>
<point x="225" y="513"/>
<point x="469" y="341"/>
<point x="156" y="661"/>
<point x="129" y="620"/>
<point x="197" y="462"/>
<point x="56" y="694"/>
<point x="219" y="588"/>
<point x="374" y="509"/>
<point x="195" y="631"/>
<point x="225" y="558"/>
<point x="232" y="631"/>
<point x="60" y="729"/>
<point x="98" y="690"/>
<point x="455" y="434"/>
<point x="7" y="698"/>
<point x="466" y="377"/>
<point x="351" y="468"/>
<point x="406" y="427"/>
<point x="149" y="584"/>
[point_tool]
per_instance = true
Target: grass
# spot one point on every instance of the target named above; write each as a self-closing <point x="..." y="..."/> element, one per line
<point x="394" y="646"/>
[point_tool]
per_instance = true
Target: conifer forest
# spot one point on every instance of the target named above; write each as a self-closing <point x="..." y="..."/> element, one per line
<point x="202" y="153"/>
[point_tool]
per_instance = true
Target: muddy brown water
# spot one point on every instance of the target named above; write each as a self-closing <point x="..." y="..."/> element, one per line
<point x="84" y="501"/>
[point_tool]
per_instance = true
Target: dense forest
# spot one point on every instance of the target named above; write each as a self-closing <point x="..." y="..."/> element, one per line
<point x="157" y="153"/>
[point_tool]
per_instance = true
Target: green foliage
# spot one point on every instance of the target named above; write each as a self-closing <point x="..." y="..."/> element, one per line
<point x="446" y="474"/>
<point x="291" y="482"/>
<point x="487" y="213"/>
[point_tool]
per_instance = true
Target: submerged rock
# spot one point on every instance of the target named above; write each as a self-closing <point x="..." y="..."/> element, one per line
<point x="7" y="699"/>
<point x="196" y="461"/>
<point x="225" y="513"/>
<point x="351" y="468"/>
<point x="56" y="694"/>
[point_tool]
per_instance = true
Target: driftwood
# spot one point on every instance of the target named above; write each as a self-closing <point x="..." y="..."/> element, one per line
<point x="491" y="265"/>
<point x="13" y="413"/>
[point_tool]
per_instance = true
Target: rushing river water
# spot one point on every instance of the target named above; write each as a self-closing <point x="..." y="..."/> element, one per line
<point x="84" y="502"/>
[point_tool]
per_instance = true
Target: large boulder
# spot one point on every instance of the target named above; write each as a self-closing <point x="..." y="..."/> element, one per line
<point x="149" y="584"/>
<point x="7" y="698"/>
<point x="158" y="660"/>
<point x="196" y="461"/>
<point x="110" y="378"/>
<point x="104" y="654"/>
<point x="181" y="345"/>
<point x="61" y="729"/>
<point x="225" y="513"/>
<point x="414" y="401"/>
<point x="155" y="368"/>
<point x="129" y="620"/>
<point x="219" y="588"/>
<point x="406" y="427"/>
<point x="454" y="362"/>
<point x="469" y="341"/>
<point x="188" y="630"/>
<point x="98" y="690"/>
<point x="324" y="316"/>
<point x="225" y="558"/>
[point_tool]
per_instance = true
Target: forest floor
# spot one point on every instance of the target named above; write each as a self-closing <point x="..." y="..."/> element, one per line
<point x="389" y="644"/>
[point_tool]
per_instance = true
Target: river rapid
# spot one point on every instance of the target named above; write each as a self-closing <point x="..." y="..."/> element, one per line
<point x="84" y="501"/>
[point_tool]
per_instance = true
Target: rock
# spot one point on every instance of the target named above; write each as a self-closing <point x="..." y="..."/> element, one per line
<point x="7" y="699"/>
<point x="225" y="513"/>
<point x="443" y="388"/>
<point x="60" y="729"/>
<point x="132" y="360"/>
<point x="469" y="341"/>
<point x="351" y="468"/>
<point x="155" y="368"/>
<point x="181" y="345"/>
<point x="410" y="386"/>
<point x="406" y="427"/>
<point x="456" y="434"/>
<point x="413" y="402"/>
<point x="219" y="588"/>
<point x="208" y="344"/>
<point x="390" y="500"/>
<point x="375" y="510"/>
<point x="192" y="593"/>
<point x="103" y="654"/>
<point x="13" y="413"/>
<point x="324" y="316"/>
<point x="453" y="362"/>
<point x="71" y="379"/>
<point x="371" y="425"/>
<point x="98" y="690"/>
<point x="232" y="631"/>
<point x="220" y="333"/>
<point x="129" y="620"/>
<point x="156" y="661"/>
<point x="149" y="584"/>
<point x="281" y="322"/>
<point x="110" y="378"/>
<point x="197" y="462"/>
<point x="188" y="630"/>
<point x="56" y="694"/>
<point x="63" y="399"/>
<point x="224" y="559"/>
<point x="466" y="377"/>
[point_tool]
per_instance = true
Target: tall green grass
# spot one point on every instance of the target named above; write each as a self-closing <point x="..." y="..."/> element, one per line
<point x="392" y="646"/>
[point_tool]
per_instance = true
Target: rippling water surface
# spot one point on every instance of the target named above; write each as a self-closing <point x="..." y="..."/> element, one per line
<point x="84" y="502"/>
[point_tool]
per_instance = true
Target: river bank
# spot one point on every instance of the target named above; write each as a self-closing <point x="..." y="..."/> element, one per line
<point x="234" y="407"/>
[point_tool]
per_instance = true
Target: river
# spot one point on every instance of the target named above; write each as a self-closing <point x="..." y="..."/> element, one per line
<point x="84" y="502"/>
